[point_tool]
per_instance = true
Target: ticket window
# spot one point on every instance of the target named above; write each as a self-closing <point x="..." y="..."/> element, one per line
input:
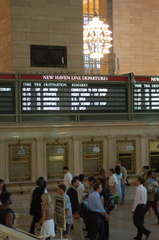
<point x="126" y="155"/>
<point x="92" y="157"/>
<point x="154" y="155"/>
<point x="19" y="161"/>
<point x="57" y="158"/>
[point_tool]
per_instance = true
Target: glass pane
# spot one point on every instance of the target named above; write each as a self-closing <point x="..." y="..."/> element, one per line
<point x="155" y="163"/>
<point x="126" y="154"/>
<point x="92" y="157"/>
<point x="19" y="161"/>
<point x="19" y="169"/>
<point x="57" y="157"/>
<point x="91" y="165"/>
<point x="55" y="168"/>
<point x="126" y="162"/>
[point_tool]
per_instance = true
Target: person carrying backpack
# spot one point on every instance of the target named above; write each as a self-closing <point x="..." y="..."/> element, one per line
<point x="108" y="203"/>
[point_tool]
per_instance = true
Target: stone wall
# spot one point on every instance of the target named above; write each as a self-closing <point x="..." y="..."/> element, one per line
<point x="52" y="23"/>
<point x="5" y="36"/>
<point x="38" y="135"/>
<point x="135" y="34"/>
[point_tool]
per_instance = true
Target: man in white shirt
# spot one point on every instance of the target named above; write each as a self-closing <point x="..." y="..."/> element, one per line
<point x="80" y="189"/>
<point x="139" y="209"/>
<point x="67" y="177"/>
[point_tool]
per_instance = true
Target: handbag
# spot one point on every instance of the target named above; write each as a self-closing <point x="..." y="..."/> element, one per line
<point x="116" y="199"/>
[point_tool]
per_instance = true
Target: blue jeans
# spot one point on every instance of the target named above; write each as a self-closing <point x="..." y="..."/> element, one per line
<point x="123" y="188"/>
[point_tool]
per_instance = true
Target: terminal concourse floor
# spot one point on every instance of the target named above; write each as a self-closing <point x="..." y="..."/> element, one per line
<point x="121" y="223"/>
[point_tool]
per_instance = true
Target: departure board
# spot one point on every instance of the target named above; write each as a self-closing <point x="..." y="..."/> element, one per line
<point x="146" y="94"/>
<point x="7" y="94"/>
<point x="67" y="97"/>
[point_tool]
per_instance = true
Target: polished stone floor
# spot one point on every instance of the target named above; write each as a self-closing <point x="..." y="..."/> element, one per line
<point x="121" y="225"/>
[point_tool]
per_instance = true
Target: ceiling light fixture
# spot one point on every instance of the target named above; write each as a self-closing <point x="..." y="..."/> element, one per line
<point x="96" y="37"/>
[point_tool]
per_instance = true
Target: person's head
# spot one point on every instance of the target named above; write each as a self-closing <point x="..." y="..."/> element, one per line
<point x="101" y="181"/>
<point x="145" y="169"/>
<point x="91" y="180"/>
<point x="75" y="182"/>
<point x="46" y="199"/>
<point x="2" y="184"/>
<point x="118" y="163"/>
<point x="65" y="169"/>
<point x="139" y="181"/>
<point x="111" y="171"/>
<point x="61" y="189"/>
<point x="117" y="169"/>
<point x="40" y="182"/>
<point x="6" y="198"/>
<point x="97" y="187"/>
<point x="102" y="173"/>
<point x="81" y="177"/>
<point x="151" y="174"/>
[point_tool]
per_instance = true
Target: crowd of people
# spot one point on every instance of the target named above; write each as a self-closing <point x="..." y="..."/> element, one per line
<point x="86" y="208"/>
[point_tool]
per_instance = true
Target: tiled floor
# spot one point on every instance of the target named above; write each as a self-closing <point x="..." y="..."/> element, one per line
<point x="121" y="224"/>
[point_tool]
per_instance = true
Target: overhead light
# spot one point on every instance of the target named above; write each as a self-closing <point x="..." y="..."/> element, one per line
<point x="96" y="37"/>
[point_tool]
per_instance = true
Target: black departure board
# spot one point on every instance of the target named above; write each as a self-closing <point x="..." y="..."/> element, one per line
<point x="7" y="97"/>
<point x="27" y="94"/>
<point x="63" y="96"/>
<point x="146" y="94"/>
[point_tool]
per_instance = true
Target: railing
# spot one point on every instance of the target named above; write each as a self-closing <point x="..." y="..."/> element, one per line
<point x="7" y="233"/>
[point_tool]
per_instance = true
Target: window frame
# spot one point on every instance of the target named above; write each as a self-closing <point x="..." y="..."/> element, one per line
<point x="60" y="53"/>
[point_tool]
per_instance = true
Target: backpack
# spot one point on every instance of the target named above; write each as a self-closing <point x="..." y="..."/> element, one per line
<point x="109" y="204"/>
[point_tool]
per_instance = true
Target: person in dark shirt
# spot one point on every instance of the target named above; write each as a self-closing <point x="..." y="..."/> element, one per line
<point x="72" y="193"/>
<point x="2" y="187"/>
<point x="105" y="195"/>
<point x="35" y="206"/>
<point x="7" y="215"/>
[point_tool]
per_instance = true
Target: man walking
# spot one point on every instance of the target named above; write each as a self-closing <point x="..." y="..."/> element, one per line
<point x="152" y="192"/>
<point x="68" y="210"/>
<point x="139" y="208"/>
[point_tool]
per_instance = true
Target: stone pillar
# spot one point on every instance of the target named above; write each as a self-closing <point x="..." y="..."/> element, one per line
<point x="105" y="154"/>
<point x="76" y="157"/>
<point x="38" y="161"/>
<point x="4" y="174"/>
<point x="144" y="153"/>
<point x="111" y="152"/>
